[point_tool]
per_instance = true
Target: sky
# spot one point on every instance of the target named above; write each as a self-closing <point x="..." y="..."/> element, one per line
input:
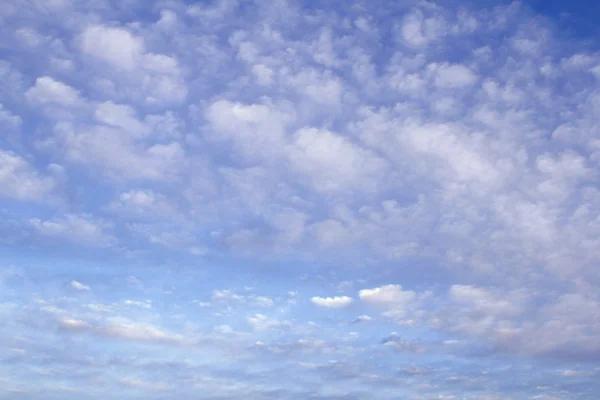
<point x="281" y="199"/>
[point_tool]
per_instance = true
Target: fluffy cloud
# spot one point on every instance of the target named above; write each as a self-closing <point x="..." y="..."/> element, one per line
<point x="257" y="131"/>
<point x="332" y="302"/>
<point x="452" y="75"/>
<point x="157" y="77"/>
<point x="115" y="46"/>
<point x="49" y="91"/>
<point x="120" y="152"/>
<point x="143" y="203"/>
<point x="20" y="180"/>
<point x="389" y="295"/>
<point x="289" y="147"/>
<point x="417" y="30"/>
<point x="332" y="163"/>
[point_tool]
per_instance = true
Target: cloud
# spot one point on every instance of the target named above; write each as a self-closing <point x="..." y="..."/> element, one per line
<point x="120" y="152"/>
<point x="20" y="180"/>
<point x="230" y="298"/>
<point x="261" y="322"/>
<point x="49" y="91"/>
<point x="157" y="77"/>
<point x="120" y="116"/>
<point x="452" y="75"/>
<point x="417" y="30"/>
<point x="142" y="304"/>
<point x="363" y="318"/>
<point x="80" y="229"/>
<point x="79" y="286"/>
<point x="74" y="324"/>
<point x="139" y="384"/>
<point x="256" y="131"/>
<point x="395" y="341"/>
<point x="388" y="295"/>
<point x="332" y="302"/>
<point x="282" y="145"/>
<point x="122" y="328"/>
<point x="262" y="301"/>
<point x="485" y="301"/>
<point x="225" y="295"/>
<point x="9" y="120"/>
<point x="115" y="46"/>
<point x="332" y="163"/>
<point x="142" y="203"/>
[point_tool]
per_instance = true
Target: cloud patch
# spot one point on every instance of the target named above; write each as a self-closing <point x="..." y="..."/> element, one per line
<point x="332" y="302"/>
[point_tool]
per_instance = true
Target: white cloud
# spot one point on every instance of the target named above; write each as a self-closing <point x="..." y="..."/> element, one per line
<point x="168" y="20"/>
<point x="226" y="295"/>
<point x="388" y="295"/>
<point x="18" y="352"/>
<point x="163" y="81"/>
<point x="142" y="203"/>
<point x="49" y="91"/>
<point x="298" y="137"/>
<point x="262" y="301"/>
<point x="120" y="116"/>
<point x="20" y="180"/>
<point x="324" y="51"/>
<point x="80" y="286"/>
<point x="264" y="75"/>
<point x="417" y="30"/>
<point x="570" y="372"/>
<point x="218" y="10"/>
<point x="175" y="239"/>
<point x="142" y="304"/>
<point x="156" y="78"/>
<point x="331" y="162"/>
<point x="332" y="302"/>
<point x="256" y="130"/>
<point x="10" y="120"/>
<point x="30" y="37"/>
<point x="119" y="152"/>
<point x="122" y="328"/>
<point x="116" y="46"/>
<point x="80" y="229"/>
<point x="74" y="324"/>
<point x="261" y="322"/>
<point x="319" y="87"/>
<point x="486" y="301"/>
<point x="452" y="75"/>
<point x="331" y="233"/>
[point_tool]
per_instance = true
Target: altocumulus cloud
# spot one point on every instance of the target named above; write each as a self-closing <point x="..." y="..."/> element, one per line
<point x="248" y="199"/>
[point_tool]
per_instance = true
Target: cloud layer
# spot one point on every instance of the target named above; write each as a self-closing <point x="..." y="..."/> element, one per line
<point x="288" y="200"/>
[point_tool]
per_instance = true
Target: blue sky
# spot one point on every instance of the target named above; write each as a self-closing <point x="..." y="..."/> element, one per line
<point x="290" y="200"/>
